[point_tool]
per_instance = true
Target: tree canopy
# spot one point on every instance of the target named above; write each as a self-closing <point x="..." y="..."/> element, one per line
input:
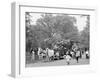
<point x="50" y="28"/>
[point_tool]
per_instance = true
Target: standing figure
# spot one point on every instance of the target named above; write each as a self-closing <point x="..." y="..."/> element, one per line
<point x="72" y="54"/>
<point x="68" y="58"/>
<point x="33" y="56"/>
<point x="87" y="54"/>
<point x="77" y="55"/>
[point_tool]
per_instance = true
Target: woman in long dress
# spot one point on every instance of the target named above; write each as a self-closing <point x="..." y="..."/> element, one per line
<point x="33" y="56"/>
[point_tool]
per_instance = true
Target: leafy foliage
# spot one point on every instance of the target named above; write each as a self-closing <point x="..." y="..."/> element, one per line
<point x="52" y="28"/>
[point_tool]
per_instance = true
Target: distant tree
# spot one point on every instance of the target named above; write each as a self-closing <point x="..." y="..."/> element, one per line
<point x="29" y="38"/>
<point x="60" y="24"/>
<point x="85" y="34"/>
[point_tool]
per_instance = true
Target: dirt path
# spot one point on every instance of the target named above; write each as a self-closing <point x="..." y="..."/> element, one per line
<point x="58" y="63"/>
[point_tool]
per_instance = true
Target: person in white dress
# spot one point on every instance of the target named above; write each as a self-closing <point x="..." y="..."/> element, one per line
<point x="33" y="56"/>
<point x="68" y="58"/>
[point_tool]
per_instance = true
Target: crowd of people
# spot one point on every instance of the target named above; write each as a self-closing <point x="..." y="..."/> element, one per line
<point x="61" y="50"/>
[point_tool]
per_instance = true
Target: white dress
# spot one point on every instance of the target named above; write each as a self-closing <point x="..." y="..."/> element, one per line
<point x="33" y="55"/>
<point x="68" y="58"/>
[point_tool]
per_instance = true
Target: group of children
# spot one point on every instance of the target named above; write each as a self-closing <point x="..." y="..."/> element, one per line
<point x="77" y="56"/>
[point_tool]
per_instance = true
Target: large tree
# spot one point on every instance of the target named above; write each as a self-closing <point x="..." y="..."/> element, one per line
<point x="60" y="24"/>
<point x="52" y="27"/>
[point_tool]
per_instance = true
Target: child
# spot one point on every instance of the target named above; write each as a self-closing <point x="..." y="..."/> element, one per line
<point x="68" y="58"/>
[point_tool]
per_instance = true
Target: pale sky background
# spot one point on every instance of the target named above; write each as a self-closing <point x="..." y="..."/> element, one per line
<point x="80" y="23"/>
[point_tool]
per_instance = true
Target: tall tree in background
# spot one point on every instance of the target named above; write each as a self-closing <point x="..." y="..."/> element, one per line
<point x="30" y="39"/>
<point x="60" y="24"/>
<point x="85" y="36"/>
<point x="50" y="27"/>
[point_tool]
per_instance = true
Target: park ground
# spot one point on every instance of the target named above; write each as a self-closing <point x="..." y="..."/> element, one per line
<point x="59" y="63"/>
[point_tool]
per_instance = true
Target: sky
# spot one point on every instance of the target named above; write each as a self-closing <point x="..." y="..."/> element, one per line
<point x="80" y="20"/>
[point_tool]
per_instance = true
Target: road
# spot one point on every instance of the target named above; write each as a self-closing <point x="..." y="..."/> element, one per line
<point x="58" y="63"/>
